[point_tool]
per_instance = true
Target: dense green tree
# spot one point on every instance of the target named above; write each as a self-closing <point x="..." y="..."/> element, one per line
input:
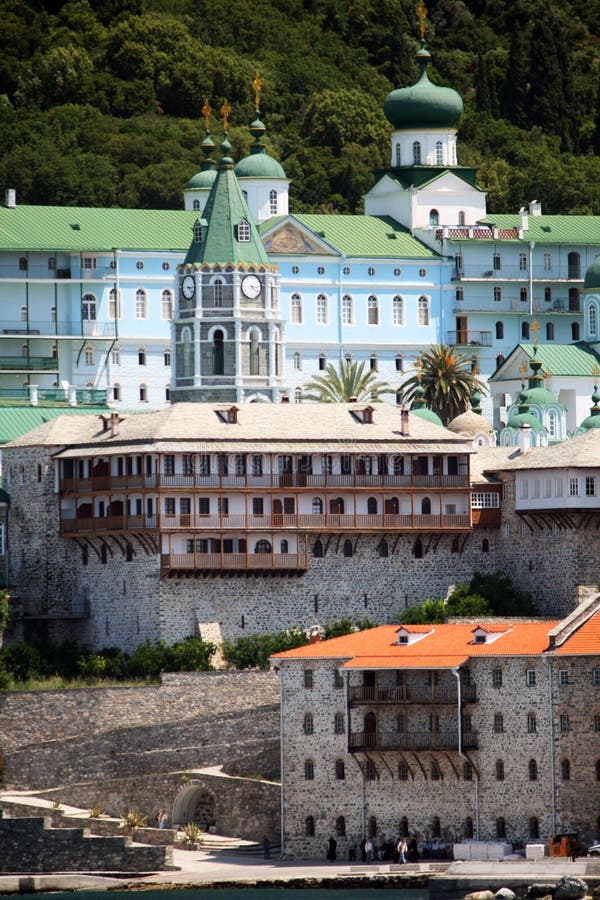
<point x="444" y="375"/>
<point x="348" y="382"/>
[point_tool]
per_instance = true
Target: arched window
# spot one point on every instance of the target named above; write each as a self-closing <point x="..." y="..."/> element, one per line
<point x="425" y="506"/>
<point x="340" y="770"/>
<point x="186" y="338"/>
<point x="500" y="828"/>
<point x="434" y="217"/>
<point x="273" y="203"/>
<point x="372" y="826"/>
<point x="262" y="546"/>
<point x="89" y="309"/>
<point x="418" y="549"/>
<point x="416" y="153"/>
<point x="552" y="423"/>
<point x="398" y="311"/>
<point x="461" y="218"/>
<point x="574" y="331"/>
<point x="398" y="156"/>
<point x="533" y="770"/>
<point x="296" y="309"/>
<point x="243" y="231"/>
<point x="217" y="293"/>
<point x="116" y="391"/>
<point x="308" y="724"/>
<point x="498" y="723"/>
<point x="565" y="770"/>
<point x="309" y="826"/>
<point x="373" y="310"/>
<point x="318" y="549"/>
<point x="321" y="309"/>
<point x="347" y="310"/>
<point x="534" y="828"/>
<point x="399" y="361"/>
<point x="340" y="826"/>
<point x="468" y="828"/>
<point x="197" y="232"/>
<point x="196" y="205"/>
<point x="467" y="771"/>
<point x="423" y="311"/>
<point x="404" y="826"/>
<point x="531" y="723"/>
<point x="143" y="393"/>
<point x="218" y="353"/>
<point x="525" y="331"/>
<point x="574" y="265"/>
<point x="284" y="546"/>
<point x="309" y="770"/>
<point x="497" y="294"/>
<point x="166" y="305"/>
<point x="499" y="360"/>
<point x="114" y="305"/>
<point x="499" y="770"/>
<point x="24" y="313"/>
<point x="372" y="506"/>
<point x="348" y="549"/>
<point x="317" y="506"/>
<point x="383" y="549"/>
<point x="254" y="354"/>
<point x="141" y="357"/>
<point x="392" y="506"/>
<point x="592" y="321"/>
<point x="485" y="546"/>
<point x="549" y="331"/>
<point x="439" y="153"/>
<point x="322" y="362"/>
<point x="499" y="331"/>
<point x="297" y="360"/>
<point x="574" y="300"/>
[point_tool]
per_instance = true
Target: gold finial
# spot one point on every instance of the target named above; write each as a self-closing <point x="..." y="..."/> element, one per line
<point x="535" y="327"/>
<point x="257" y="86"/>
<point x="206" y="111"/>
<point x="523" y="370"/>
<point x="548" y="373"/>
<point x="225" y="112"/>
<point x="596" y="371"/>
<point x="421" y="15"/>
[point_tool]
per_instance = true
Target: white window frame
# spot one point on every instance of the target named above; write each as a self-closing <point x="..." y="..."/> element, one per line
<point x="347" y="310"/>
<point x="296" y="309"/>
<point x="423" y="317"/>
<point x="141" y="304"/>
<point x="322" y="309"/>
<point x="372" y="310"/>
<point x="398" y="310"/>
<point x="166" y="305"/>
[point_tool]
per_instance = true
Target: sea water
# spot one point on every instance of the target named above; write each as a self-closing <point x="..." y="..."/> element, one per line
<point x="228" y="893"/>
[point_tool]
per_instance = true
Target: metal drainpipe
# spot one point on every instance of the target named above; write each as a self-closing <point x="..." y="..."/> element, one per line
<point x="547" y="660"/>
<point x="281" y="792"/>
<point x="456" y="674"/>
<point x="531" y="246"/>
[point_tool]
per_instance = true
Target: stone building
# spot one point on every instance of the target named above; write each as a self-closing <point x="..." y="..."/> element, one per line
<point x="485" y="731"/>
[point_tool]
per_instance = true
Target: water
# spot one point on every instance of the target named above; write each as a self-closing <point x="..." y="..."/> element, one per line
<point x="216" y="893"/>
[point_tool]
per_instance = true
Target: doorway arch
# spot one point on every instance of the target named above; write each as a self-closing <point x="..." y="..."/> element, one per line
<point x="194" y="803"/>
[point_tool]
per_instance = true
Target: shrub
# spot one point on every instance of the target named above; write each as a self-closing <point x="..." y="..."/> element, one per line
<point x="134" y="819"/>
<point x="95" y="811"/>
<point x="193" y="833"/>
<point x="253" y="650"/>
<point x="23" y="661"/>
<point x="4" y="609"/>
<point x="192" y="655"/>
<point x="149" y="660"/>
<point x="431" y="611"/>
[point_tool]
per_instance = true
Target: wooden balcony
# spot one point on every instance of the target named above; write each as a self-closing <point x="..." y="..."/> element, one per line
<point x="487" y="518"/>
<point x="298" y="480"/>
<point x="234" y="561"/>
<point x="411" y="740"/>
<point x="296" y="523"/>
<point x="420" y="694"/>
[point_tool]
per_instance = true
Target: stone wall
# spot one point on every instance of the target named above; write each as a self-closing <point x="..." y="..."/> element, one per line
<point x="30" y="845"/>
<point x="63" y="737"/>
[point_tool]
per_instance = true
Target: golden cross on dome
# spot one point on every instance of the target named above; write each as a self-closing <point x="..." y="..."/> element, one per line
<point x="596" y="370"/>
<point x="548" y="373"/>
<point x="523" y="370"/>
<point x="257" y="86"/>
<point x="225" y="112"/>
<point x="421" y="15"/>
<point x="206" y="111"/>
<point x="535" y="327"/>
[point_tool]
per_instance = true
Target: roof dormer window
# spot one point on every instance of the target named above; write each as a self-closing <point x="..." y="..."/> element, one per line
<point x="243" y="230"/>
<point x="197" y="232"/>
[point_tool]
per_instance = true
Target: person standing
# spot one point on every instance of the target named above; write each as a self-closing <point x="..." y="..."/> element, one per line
<point x="266" y="845"/>
<point x="332" y="849"/>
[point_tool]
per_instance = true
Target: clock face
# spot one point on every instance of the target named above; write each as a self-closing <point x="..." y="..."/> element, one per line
<point x="251" y="286"/>
<point x="188" y="287"/>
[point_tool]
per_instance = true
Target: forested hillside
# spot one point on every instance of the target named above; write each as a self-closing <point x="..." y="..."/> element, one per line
<point x="100" y="99"/>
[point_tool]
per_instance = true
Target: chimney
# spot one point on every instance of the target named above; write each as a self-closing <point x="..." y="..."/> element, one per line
<point x="232" y="415"/>
<point x="404" y="431"/>
<point x="524" y="438"/>
<point x="315" y="637"/>
<point x="10" y="198"/>
<point x="523" y="219"/>
<point x="535" y="208"/>
<point x="115" y="420"/>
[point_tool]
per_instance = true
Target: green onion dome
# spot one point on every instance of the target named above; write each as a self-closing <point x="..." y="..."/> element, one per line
<point x="423" y="105"/>
<point x="593" y="420"/>
<point x="258" y="164"/>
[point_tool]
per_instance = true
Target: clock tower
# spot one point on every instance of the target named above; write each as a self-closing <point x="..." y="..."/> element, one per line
<point x="227" y="328"/>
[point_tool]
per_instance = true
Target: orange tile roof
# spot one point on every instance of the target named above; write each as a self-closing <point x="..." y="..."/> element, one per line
<point x="584" y="640"/>
<point x="446" y="646"/>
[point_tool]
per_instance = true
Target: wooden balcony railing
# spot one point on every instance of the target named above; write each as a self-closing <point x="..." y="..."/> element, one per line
<point x="411" y="740"/>
<point x="298" y="522"/>
<point x="234" y="561"/>
<point x="421" y="694"/>
<point x="258" y="482"/>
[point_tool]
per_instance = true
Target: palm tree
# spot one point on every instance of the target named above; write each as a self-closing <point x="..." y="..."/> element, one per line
<point x="350" y="382"/>
<point x="445" y="379"/>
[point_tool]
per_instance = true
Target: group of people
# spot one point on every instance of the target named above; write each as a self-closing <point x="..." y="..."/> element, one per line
<point x="400" y="850"/>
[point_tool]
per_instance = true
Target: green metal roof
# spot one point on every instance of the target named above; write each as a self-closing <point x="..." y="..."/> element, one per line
<point x="81" y="229"/>
<point x="562" y="360"/>
<point x="362" y="236"/>
<point x="224" y="210"/>
<point x="18" y="420"/>
<point x="422" y="176"/>
<point x="552" y="229"/>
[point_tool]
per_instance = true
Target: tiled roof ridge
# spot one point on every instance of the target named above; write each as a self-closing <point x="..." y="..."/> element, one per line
<point x="567" y="627"/>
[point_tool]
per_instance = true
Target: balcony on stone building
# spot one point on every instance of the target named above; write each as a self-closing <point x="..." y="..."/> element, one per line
<point x="374" y="695"/>
<point x="217" y="562"/>
<point x="447" y="739"/>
